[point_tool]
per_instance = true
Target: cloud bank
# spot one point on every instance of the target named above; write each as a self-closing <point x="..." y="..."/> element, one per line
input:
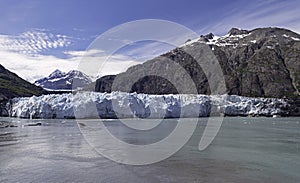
<point x="33" y="67"/>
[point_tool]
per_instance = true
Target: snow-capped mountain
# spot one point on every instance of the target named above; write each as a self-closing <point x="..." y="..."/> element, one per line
<point x="59" y="80"/>
<point x="264" y="62"/>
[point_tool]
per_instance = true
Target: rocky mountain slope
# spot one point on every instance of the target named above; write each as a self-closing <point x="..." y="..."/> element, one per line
<point x="11" y="85"/>
<point x="263" y="62"/>
<point x="59" y="80"/>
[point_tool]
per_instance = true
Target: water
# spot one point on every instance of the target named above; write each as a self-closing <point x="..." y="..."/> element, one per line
<point x="245" y="150"/>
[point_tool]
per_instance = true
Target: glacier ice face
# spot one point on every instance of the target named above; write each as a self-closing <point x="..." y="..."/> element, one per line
<point x="130" y="105"/>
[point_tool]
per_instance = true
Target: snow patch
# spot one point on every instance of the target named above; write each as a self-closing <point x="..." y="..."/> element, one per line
<point x="284" y="35"/>
<point x="296" y="39"/>
<point x="190" y="42"/>
<point x="293" y="38"/>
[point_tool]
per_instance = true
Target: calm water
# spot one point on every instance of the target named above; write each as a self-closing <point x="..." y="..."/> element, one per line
<point x="245" y="150"/>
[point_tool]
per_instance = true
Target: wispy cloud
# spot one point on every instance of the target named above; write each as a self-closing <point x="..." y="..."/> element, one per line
<point x="145" y="50"/>
<point x="24" y="55"/>
<point x="33" y="42"/>
<point x="263" y="14"/>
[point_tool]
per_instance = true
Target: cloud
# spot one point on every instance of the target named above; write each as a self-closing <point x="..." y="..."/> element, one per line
<point x="33" y="42"/>
<point x="33" y="67"/>
<point x="263" y="14"/>
<point x="98" y="63"/>
<point x="24" y="55"/>
<point x="87" y="53"/>
<point x="146" y="50"/>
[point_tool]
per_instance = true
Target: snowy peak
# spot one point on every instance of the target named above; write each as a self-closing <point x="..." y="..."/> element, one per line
<point x="241" y="38"/>
<point x="56" y="73"/>
<point x="59" y="80"/>
<point x="208" y="36"/>
<point x="236" y="31"/>
<point x="77" y="74"/>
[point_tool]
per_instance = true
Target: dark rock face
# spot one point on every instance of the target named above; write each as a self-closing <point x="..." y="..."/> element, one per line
<point x="236" y="31"/>
<point x="154" y="85"/>
<point x="104" y="84"/>
<point x="206" y="38"/>
<point x="209" y="36"/>
<point x="294" y="109"/>
<point x="263" y="62"/>
<point x="262" y="68"/>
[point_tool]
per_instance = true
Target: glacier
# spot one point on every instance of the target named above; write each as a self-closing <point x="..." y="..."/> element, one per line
<point x="132" y="105"/>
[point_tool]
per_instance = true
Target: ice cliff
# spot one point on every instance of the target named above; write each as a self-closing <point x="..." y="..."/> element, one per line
<point x="124" y="105"/>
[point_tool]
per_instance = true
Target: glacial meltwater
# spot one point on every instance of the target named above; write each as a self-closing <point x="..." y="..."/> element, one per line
<point x="245" y="150"/>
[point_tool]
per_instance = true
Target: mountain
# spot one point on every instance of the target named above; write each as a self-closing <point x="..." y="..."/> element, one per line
<point x="59" y="80"/>
<point x="263" y="62"/>
<point x="11" y="85"/>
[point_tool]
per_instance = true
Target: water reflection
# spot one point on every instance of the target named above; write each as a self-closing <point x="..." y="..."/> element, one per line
<point x="245" y="150"/>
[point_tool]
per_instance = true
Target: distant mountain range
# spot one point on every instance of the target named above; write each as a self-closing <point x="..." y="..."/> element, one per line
<point x="263" y="62"/>
<point x="61" y="81"/>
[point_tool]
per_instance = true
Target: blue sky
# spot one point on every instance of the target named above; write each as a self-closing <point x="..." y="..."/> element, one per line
<point x="40" y="35"/>
<point x="96" y="16"/>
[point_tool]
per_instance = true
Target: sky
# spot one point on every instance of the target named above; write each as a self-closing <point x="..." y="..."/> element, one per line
<point x="37" y="37"/>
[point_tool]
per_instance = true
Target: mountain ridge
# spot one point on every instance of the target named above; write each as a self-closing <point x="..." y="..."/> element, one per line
<point x="11" y="86"/>
<point x="263" y="62"/>
<point x="61" y="81"/>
